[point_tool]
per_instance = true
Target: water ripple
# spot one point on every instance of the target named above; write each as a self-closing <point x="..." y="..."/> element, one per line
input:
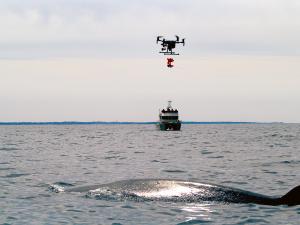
<point x="15" y="175"/>
<point x="174" y="171"/>
<point x="262" y="157"/>
<point x="8" y="149"/>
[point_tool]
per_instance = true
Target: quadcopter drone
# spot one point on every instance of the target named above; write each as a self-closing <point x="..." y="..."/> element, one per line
<point x="169" y="45"/>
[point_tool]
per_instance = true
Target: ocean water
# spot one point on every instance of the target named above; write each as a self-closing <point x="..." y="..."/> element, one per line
<point x="263" y="158"/>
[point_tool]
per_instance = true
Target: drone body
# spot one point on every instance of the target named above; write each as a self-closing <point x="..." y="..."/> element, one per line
<point x="169" y="45"/>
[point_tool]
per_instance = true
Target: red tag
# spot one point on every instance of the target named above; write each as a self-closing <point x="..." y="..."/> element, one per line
<point x="169" y="62"/>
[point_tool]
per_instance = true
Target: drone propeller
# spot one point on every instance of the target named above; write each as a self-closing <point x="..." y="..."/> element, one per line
<point x="183" y="41"/>
<point x="158" y="39"/>
<point x="177" y="38"/>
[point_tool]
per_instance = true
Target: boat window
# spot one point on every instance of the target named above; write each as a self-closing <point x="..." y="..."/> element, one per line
<point x="169" y="117"/>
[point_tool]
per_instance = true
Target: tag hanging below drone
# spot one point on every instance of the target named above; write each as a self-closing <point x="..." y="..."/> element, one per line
<point x="169" y="62"/>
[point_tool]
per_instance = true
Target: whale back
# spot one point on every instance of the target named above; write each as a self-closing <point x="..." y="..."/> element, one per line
<point x="182" y="191"/>
<point x="291" y="198"/>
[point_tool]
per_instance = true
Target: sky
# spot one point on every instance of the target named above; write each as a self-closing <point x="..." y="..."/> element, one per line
<point x="93" y="60"/>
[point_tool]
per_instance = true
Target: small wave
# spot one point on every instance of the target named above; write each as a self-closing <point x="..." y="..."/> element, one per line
<point x="174" y="171"/>
<point x="281" y="145"/>
<point x="269" y="172"/>
<point x="155" y="160"/>
<point x="234" y="182"/>
<point x="205" y="152"/>
<point x="252" y="220"/>
<point x="103" y="206"/>
<point x="14" y="175"/>
<point x="195" y="221"/>
<point x="167" y="213"/>
<point x="64" y="184"/>
<point x="111" y="157"/>
<point x="27" y="198"/>
<point x="7" y="168"/>
<point x="94" y="137"/>
<point x="128" y="207"/>
<point x="8" y="149"/>
<point x="216" y="157"/>
<point x="74" y="210"/>
<point x="290" y="161"/>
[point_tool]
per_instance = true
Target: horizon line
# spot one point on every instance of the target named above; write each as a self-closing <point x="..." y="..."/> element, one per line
<point x="128" y="122"/>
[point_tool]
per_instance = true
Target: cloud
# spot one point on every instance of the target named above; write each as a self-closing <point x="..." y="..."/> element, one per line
<point x="61" y="28"/>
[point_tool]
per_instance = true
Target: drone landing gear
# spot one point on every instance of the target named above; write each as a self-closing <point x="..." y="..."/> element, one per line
<point x="169" y="53"/>
<point x="169" y="62"/>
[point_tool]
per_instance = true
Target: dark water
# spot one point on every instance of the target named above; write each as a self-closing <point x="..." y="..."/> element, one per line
<point x="259" y="158"/>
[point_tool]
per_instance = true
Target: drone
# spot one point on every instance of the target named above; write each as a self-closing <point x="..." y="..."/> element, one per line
<point x="169" y="45"/>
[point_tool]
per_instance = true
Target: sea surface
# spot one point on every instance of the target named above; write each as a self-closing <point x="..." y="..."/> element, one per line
<point x="263" y="158"/>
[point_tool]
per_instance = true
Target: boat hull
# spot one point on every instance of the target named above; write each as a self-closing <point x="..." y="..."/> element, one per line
<point x="164" y="126"/>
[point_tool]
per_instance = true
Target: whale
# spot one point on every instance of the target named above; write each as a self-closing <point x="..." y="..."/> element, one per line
<point x="171" y="190"/>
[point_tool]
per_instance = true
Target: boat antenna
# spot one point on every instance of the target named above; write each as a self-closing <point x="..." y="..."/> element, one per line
<point x="169" y="104"/>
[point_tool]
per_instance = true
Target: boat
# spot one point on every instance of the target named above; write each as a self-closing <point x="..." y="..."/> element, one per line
<point x="168" y="118"/>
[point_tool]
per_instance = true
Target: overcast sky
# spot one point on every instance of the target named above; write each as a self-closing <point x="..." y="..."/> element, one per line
<point x="93" y="60"/>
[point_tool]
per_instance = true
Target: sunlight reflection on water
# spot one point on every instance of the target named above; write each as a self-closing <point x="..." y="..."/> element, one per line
<point x="198" y="211"/>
